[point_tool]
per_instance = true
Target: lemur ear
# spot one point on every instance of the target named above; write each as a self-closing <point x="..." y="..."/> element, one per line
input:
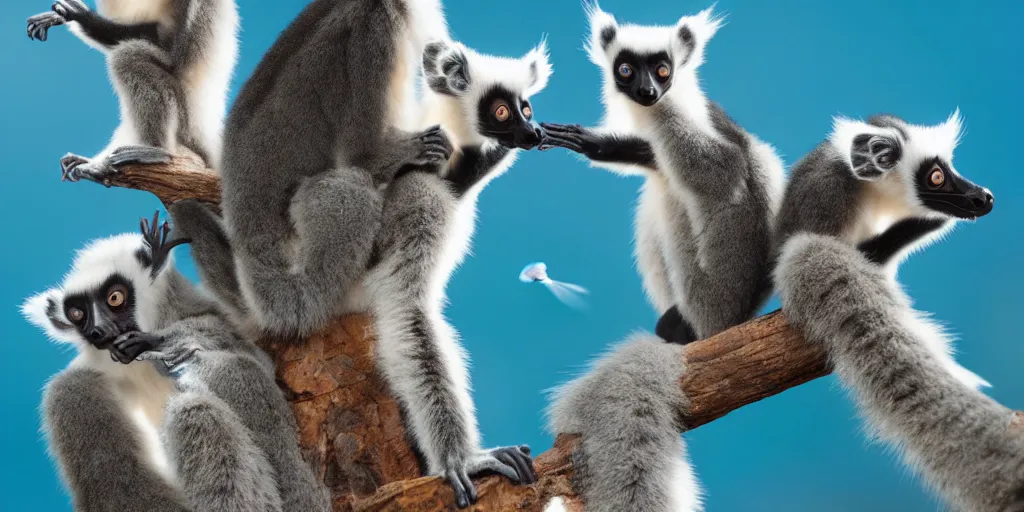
<point x="603" y="31"/>
<point x="692" y="34"/>
<point x="540" y="68"/>
<point x="45" y="311"/>
<point x="869" y="151"/>
<point x="949" y="132"/>
<point x="446" y="68"/>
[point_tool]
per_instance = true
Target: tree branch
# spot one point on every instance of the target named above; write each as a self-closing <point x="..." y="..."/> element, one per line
<point x="350" y="427"/>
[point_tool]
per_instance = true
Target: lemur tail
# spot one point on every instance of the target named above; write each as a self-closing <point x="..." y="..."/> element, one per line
<point x="962" y="442"/>
<point x="632" y="456"/>
<point x="211" y="250"/>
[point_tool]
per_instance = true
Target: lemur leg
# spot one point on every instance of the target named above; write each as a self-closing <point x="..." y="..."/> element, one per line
<point x="214" y="457"/>
<point x="211" y="250"/>
<point x="649" y="254"/>
<point x="599" y="147"/>
<point x="419" y="353"/>
<point x="152" y="103"/>
<point x="99" y="449"/>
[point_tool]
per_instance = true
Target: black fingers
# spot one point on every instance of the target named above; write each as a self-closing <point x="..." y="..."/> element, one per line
<point x="40" y="24"/>
<point x="68" y="164"/>
<point x="516" y="458"/>
<point x="568" y="136"/>
<point x="130" y="345"/>
<point x="461" y="485"/>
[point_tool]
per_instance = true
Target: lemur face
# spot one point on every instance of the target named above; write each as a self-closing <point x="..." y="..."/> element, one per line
<point x="942" y="189"/>
<point x="508" y="118"/>
<point x="643" y="77"/>
<point x="101" y="314"/>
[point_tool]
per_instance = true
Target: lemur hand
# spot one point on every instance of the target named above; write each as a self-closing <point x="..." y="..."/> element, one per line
<point x="431" y="151"/>
<point x="512" y="462"/>
<point x="70" y="10"/>
<point x="170" y="358"/>
<point x="130" y="345"/>
<point x="569" y="136"/>
<point x="155" y="236"/>
<point x="40" y="24"/>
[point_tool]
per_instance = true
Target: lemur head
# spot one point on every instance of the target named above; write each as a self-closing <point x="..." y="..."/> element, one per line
<point x="112" y="288"/>
<point x="643" y="60"/>
<point x="494" y="92"/>
<point x="922" y="158"/>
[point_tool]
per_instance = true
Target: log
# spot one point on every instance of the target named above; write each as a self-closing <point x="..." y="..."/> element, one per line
<point x="350" y="427"/>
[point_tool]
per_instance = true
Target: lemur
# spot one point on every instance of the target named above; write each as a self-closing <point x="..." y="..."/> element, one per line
<point x="203" y="427"/>
<point x="704" y="218"/>
<point x="626" y="408"/>
<point x="482" y="102"/>
<point x="324" y="122"/>
<point x="887" y="187"/>
<point x="884" y="185"/>
<point x="170" y="62"/>
<point x="964" y="444"/>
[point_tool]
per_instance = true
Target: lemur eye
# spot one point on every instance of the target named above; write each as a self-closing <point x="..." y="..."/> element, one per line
<point x="75" y="315"/>
<point x="625" y="70"/>
<point x="117" y="295"/>
<point x="936" y="177"/>
<point x="664" y="71"/>
<point x="502" y="112"/>
<point x="527" y="111"/>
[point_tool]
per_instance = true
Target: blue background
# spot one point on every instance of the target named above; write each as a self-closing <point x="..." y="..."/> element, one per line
<point x="781" y="69"/>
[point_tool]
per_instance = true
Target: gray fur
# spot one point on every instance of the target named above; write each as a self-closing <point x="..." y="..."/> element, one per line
<point x="958" y="439"/>
<point x="821" y="196"/>
<point x="307" y="144"/>
<point x="626" y="407"/>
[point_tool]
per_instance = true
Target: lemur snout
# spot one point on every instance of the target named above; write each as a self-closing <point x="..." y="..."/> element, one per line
<point x="983" y="200"/>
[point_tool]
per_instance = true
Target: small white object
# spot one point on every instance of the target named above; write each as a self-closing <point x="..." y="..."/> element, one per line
<point x="568" y="293"/>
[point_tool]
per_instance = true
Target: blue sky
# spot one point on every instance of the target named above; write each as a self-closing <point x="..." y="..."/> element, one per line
<point x="781" y="69"/>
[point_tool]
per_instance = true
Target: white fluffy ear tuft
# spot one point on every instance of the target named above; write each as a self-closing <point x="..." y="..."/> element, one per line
<point x="44" y="311"/>
<point x="951" y="130"/>
<point x="693" y="33"/>
<point x="540" y="67"/>
<point x="603" y="30"/>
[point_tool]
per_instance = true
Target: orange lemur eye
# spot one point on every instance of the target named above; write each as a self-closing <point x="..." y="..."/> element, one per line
<point x="116" y="296"/>
<point x="664" y="71"/>
<point x="502" y="113"/>
<point x="936" y="177"/>
<point x="76" y="315"/>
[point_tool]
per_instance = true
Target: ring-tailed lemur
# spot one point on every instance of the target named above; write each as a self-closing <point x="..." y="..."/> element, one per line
<point x="170" y="62"/>
<point x="964" y="444"/>
<point x="631" y="455"/>
<point x="887" y="187"/>
<point x="317" y="128"/>
<point x="704" y="218"/>
<point x="482" y="101"/>
<point x="884" y="185"/>
<point x="225" y="430"/>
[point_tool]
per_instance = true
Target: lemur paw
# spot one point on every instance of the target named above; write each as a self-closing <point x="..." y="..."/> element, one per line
<point x="126" y="155"/>
<point x="170" y="359"/>
<point x="40" y="24"/>
<point x="568" y="136"/>
<point x="70" y="10"/>
<point x="74" y="168"/>
<point x="130" y="345"/>
<point x="433" y="149"/>
<point x="155" y="236"/>
<point x="872" y="155"/>
<point x="512" y="462"/>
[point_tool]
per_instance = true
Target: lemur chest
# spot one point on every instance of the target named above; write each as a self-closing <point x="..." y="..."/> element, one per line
<point x="136" y="11"/>
<point x="880" y="204"/>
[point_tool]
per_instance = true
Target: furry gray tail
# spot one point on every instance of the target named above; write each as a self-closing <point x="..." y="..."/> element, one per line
<point x="632" y="456"/>
<point x="958" y="439"/>
<point x="211" y="251"/>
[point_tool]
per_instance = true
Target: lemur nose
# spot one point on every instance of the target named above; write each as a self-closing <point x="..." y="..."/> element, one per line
<point x="648" y="92"/>
<point x="983" y="199"/>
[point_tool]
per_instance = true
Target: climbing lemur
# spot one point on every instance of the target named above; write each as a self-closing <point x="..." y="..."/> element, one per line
<point x="965" y="445"/>
<point x="170" y="62"/>
<point x="322" y="124"/>
<point x="626" y="410"/>
<point x="482" y="103"/>
<point x="704" y="218"/>
<point x="163" y="431"/>
<point x="884" y="185"/>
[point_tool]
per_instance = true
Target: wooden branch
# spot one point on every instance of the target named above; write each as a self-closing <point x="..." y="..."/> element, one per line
<point x="350" y="426"/>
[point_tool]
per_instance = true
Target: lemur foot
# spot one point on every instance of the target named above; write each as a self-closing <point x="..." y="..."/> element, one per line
<point x="512" y="462"/>
<point x="155" y="237"/>
<point x="40" y="24"/>
<point x="569" y="136"/>
<point x="74" y="168"/>
<point x="872" y="155"/>
<point x="126" y="155"/>
<point x="130" y="345"/>
<point x="673" y="328"/>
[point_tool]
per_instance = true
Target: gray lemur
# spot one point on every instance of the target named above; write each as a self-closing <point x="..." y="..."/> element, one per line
<point x="170" y="62"/>
<point x="320" y="126"/>
<point x="965" y="445"/>
<point x="887" y="187"/>
<point x="202" y="428"/>
<point x="482" y="102"/>
<point x="704" y="218"/>
<point x="631" y="457"/>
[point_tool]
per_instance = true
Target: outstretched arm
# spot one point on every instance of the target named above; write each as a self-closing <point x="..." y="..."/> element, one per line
<point x="883" y="247"/>
<point x="600" y="147"/>
<point x="94" y="29"/>
<point x="960" y="440"/>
